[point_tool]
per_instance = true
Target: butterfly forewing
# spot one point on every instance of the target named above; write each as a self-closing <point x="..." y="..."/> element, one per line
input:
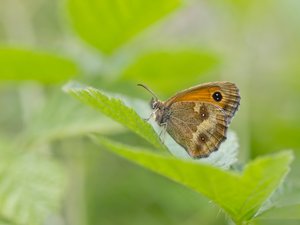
<point x="221" y="94"/>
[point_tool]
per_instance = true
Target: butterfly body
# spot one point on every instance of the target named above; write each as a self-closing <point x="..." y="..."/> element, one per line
<point x="197" y="118"/>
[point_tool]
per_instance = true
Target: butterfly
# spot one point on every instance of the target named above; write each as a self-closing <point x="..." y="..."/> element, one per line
<point x="197" y="118"/>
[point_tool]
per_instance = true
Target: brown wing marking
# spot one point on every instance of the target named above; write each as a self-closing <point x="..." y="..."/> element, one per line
<point x="209" y="137"/>
<point x="198" y="127"/>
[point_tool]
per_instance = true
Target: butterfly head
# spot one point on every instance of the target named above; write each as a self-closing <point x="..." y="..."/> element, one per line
<point x="159" y="109"/>
<point x="156" y="104"/>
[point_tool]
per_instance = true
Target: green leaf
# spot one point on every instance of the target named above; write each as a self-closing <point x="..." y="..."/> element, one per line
<point x="21" y="64"/>
<point x="117" y="110"/>
<point x="291" y="212"/>
<point x="31" y="187"/>
<point x="5" y="222"/>
<point x="108" y="24"/>
<point x="246" y="9"/>
<point x="240" y="195"/>
<point x="71" y="119"/>
<point x="180" y="68"/>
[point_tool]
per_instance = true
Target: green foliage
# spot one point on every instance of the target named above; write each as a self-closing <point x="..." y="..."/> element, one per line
<point x="20" y="64"/>
<point x="41" y="125"/>
<point x="118" y="111"/>
<point x="71" y="120"/>
<point x="139" y="196"/>
<point x="290" y="212"/>
<point x="108" y="24"/>
<point x="31" y="186"/>
<point x="240" y="195"/>
<point x="171" y="67"/>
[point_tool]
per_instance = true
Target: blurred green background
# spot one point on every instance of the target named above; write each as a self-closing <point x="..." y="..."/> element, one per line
<point x="50" y="173"/>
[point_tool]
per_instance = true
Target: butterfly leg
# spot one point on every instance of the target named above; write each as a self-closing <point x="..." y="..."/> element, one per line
<point x="152" y="115"/>
<point x="162" y="134"/>
<point x="149" y="118"/>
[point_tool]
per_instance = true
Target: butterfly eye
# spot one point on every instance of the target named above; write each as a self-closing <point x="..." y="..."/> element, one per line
<point x="153" y="103"/>
<point x="217" y="96"/>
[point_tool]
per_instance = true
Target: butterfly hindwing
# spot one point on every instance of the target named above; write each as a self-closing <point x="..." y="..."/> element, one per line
<point x="197" y="126"/>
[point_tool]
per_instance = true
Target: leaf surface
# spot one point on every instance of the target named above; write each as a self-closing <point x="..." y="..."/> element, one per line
<point x="177" y="68"/>
<point x="31" y="186"/>
<point x="21" y="64"/>
<point x="108" y="24"/>
<point x="117" y="110"/>
<point x="240" y="195"/>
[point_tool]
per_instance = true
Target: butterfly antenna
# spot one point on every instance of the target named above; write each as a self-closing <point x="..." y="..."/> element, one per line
<point x="149" y="90"/>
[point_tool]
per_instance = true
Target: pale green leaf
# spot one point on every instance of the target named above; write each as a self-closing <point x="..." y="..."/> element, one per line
<point x="117" y="110"/>
<point x="240" y="195"/>
<point x="108" y="24"/>
<point x="31" y="186"/>
<point x="71" y="119"/>
<point x="291" y="212"/>
<point x="20" y="64"/>
<point x="178" y="69"/>
<point x="5" y="222"/>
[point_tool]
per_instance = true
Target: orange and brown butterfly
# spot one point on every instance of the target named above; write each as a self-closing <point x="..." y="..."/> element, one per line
<point x="197" y="118"/>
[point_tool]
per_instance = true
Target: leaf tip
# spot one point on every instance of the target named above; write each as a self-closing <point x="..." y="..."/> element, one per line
<point x="68" y="87"/>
